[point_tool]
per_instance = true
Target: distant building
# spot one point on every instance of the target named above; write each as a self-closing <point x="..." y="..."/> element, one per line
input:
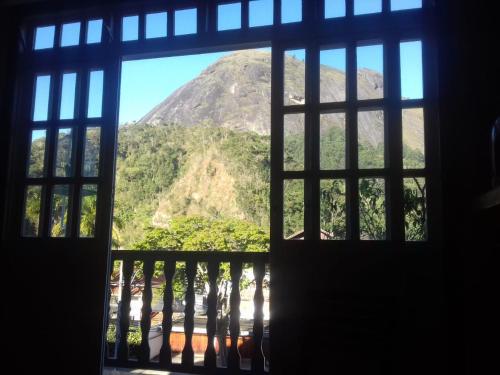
<point x="324" y="235"/>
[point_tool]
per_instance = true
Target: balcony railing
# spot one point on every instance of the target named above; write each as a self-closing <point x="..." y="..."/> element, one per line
<point x="213" y="261"/>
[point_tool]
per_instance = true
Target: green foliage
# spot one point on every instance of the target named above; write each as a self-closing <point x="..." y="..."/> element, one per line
<point x="412" y="158"/>
<point x="195" y="233"/>
<point x="333" y="208"/>
<point x="293" y="207"/>
<point x="32" y="211"/>
<point x="37" y="158"/>
<point x="250" y="153"/>
<point x="415" y="209"/>
<point x="332" y="146"/>
<point x="59" y="211"/>
<point x="371" y="157"/>
<point x="151" y="158"/>
<point x="134" y="335"/>
<point x="88" y="211"/>
<point x="64" y="160"/>
<point x="372" y="217"/>
<point x="204" y="234"/>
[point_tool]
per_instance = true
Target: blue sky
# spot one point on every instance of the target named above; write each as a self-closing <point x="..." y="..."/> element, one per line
<point x="146" y="83"/>
<point x="261" y="14"/>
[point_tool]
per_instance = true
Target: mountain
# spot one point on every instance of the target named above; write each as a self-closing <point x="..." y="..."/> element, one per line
<point x="205" y="150"/>
<point x="166" y="171"/>
<point x="235" y="93"/>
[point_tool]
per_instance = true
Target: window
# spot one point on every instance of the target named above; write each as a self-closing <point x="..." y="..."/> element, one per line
<point x="94" y="31"/>
<point x="156" y="25"/>
<point x="334" y="8"/>
<point x="350" y="122"/>
<point x="291" y="11"/>
<point x="185" y="22"/>
<point x="42" y="98"/>
<point x="229" y="16"/>
<point x="70" y="34"/>
<point x="261" y="13"/>
<point x="44" y="37"/>
<point x="130" y="28"/>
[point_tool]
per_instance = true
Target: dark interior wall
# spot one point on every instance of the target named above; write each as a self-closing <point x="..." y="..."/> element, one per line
<point x="53" y="315"/>
<point x="440" y="319"/>
<point x="469" y="103"/>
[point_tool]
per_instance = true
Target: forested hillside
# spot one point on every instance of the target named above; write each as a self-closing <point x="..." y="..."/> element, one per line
<point x="205" y="153"/>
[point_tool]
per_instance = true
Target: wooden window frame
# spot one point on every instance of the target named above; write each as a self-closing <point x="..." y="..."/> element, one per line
<point x="313" y="33"/>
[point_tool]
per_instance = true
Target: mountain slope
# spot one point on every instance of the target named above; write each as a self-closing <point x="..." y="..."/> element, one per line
<point x="235" y="93"/>
<point x="209" y="154"/>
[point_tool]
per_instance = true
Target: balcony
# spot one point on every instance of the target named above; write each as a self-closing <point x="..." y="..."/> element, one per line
<point x="198" y="335"/>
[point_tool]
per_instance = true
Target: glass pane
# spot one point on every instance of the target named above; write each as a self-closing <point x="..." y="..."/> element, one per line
<point x="185" y="21"/>
<point x="294" y="132"/>
<point x="415" y="207"/>
<point x="334" y="8"/>
<point x="156" y="25"/>
<point x="332" y="75"/>
<point x="411" y="70"/>
<point x="229" y="16"/>
<point x="88" y="206"/>
<point x="64" y="153"/>
<point x="293" y="209"/>
<point x="95" y="94"/>
<point x="36" y="167"/>
<point x="70" y="35"/>
<point x="371" y="139"/>
<point x="130" y="28"/>
<point x="261" y="13"/>
<point x="42" y="98"/>
<point x="32" y="208"/>
<point x="295" y="77"/>
<point x="44" y="37"/>
<point x="413" y="138"/>
<point x="94" y="31"/>
<point x="370" y="60"/>
<point x="91" y="152"/>
<point x="372" y="218"/>
<point x="291" y="11"/>
<point x="405" y="4"/>
<point x="59" y="211"/>
<point x="68" y="92"/>
<point x="333" y="210"/>
<point x="332" y="141"/>
<point x="367" y="6"/>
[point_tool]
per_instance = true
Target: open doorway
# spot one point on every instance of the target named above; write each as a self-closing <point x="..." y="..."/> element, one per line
<point x="193" y="175"/>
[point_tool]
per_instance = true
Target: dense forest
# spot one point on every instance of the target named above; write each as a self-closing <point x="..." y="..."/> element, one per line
<point x="231" y="172"/>
<point x="204" y="152"/>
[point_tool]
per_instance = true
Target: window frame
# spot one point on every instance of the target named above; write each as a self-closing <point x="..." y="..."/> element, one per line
<point x="313" y="34"/>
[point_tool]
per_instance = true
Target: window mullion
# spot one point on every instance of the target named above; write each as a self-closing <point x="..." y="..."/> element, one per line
<point x="394" y="140"/>
<point x="108" y="147"/>
<point x="277" y="11"/>
<point x="432" y="140"/>
<point x="55" y="95"/>
<point x="277" y="89"/>
<point x="244" y="14"/>
<point x="312" y="201"/>
<point x="352" y="194"/>
<point x="79" y="140"/>
<point x="386" y="6"/>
